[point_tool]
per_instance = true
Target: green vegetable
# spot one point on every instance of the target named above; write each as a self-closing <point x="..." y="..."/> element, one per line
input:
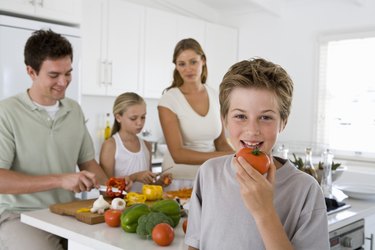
<point x="298" y="162"/>
<point x="148" y="221"/>
<point x="335" y="165"/>
<point x="170" y="208"/>
<point x="129" y="218"/>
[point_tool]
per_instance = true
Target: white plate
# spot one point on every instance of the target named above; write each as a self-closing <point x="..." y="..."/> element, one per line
<point x="359" y="191"/>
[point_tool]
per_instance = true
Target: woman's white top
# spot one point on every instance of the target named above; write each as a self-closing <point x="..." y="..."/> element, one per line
<point x="127" y="162"/>
<point x="198" y="132"/>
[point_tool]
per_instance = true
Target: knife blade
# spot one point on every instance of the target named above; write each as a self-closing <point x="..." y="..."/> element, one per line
<point x="162" y="172"/>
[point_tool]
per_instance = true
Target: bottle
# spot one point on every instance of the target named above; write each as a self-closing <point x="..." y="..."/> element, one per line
<point x="107" y="130"/>
<point x="308" y="166"/>
<point x="326" y="182"/>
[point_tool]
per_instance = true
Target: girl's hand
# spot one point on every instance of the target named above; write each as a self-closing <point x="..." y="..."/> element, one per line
<point x="256" y="189"/>
<point x="146" y="177"/>
<point x="128" y="183"/>
<point x="164" y="180"/>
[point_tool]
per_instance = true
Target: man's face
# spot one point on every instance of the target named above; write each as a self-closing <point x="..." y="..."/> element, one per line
<point x="50" y="84"/>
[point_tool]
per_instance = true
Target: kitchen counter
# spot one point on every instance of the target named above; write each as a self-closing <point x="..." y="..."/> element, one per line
<point x="100" y="236"/>
<point x="359" y="209"/>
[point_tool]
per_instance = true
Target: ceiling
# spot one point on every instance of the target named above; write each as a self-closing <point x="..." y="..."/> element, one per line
<point x="214" y="10"/>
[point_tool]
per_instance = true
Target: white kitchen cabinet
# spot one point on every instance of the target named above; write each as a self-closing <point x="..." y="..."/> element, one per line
<point x="370" y="232"/>
<point x="221" y="45"/>
<point x="162" y="32"/>
<point x="160" y="39"/>
<point x="68" y="11"/>
<point x="112" y="37"/>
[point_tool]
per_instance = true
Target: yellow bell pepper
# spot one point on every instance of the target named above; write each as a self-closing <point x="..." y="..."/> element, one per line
<point x="152" y="192"/>
<point x="134" y="198"/>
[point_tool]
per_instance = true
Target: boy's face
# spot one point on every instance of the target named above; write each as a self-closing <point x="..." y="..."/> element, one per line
<point x="133" y="119"/>
<point x="50" y="84"/>
<point x="253" y="119"/>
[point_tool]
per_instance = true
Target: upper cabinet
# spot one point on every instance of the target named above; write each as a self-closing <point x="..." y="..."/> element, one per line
<point x="221" y="50"/>
<point x="129" y="47"/>
<point x="68" y="11"/>
<point x="112" y="41"/>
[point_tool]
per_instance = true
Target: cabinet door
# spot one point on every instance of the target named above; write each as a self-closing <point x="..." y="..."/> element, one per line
<point x="160" y="40"/>
<point x="92" y="28"/>
<point x="18" y="6"/>
<point x="65" y="11"/>
<point x="190" y="28"/>
<point x="221" y="50"/>
<point x="125" y="41"/>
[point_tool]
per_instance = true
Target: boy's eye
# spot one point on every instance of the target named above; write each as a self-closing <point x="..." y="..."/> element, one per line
<point x="266" y="117"/>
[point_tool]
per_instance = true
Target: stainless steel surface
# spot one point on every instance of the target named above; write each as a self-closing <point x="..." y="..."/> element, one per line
<point x="348" y="237"/>
<point x="346" y="206"/>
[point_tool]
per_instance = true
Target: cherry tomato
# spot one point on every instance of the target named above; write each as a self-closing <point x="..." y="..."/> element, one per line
<point x="256" y="158"/>
<point x="184" y="225"/>
<point x="162" y="234"/>
<point x="112" y="217"/>
<point x="167" y="180"/>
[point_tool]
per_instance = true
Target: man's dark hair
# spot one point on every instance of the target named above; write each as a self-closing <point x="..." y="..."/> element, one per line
<point x="46" y="44"/>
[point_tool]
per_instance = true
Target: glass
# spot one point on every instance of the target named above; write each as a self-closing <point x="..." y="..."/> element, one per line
<point x="308" y="166"/>
<point x="107" y="130"/>
<point x="326" y="183"/>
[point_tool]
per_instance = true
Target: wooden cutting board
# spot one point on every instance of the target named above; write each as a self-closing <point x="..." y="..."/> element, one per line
<point x="70" y="209"/>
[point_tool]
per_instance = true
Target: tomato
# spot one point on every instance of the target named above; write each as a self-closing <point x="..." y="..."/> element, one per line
<point x="163" y="234"/>
<point x="112" y="217"/>
<point x="256" y="158"/>
<point x="184" y="225"/>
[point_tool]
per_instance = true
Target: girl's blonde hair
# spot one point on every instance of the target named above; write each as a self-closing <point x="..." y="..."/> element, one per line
<point x="258" y="73"/>
<point x="121" y="104"/>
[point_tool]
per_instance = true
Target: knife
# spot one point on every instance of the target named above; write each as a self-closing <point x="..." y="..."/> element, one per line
<point x="157" y="176"/>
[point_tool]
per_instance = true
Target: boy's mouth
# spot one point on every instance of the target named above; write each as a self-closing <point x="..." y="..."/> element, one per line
<point x="252" y="145"/>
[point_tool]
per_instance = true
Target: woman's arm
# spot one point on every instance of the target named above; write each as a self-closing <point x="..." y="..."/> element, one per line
<point x="173" y="138"/>
<point x="221" y="143"/>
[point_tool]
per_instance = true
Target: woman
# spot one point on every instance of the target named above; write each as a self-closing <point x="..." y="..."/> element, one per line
<point x="190" y="117"/>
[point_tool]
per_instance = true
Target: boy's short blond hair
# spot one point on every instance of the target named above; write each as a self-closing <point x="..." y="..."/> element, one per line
<point x="261" y="74"/>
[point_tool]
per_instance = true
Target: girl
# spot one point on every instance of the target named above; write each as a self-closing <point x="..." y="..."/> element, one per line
<point x="124" y="153"/>
<point x="285" y="208"/>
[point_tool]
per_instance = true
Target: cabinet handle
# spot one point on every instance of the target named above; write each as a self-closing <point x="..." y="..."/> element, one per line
<point x="110" y="73"/>
<point x="103" y="72"/>
<point x="32" y="2"/>
<point x="371" y="239"/>
<point x="41" y="3"/>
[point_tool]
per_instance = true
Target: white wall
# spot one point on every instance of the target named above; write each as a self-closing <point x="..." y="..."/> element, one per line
<point x="291" y="40"/>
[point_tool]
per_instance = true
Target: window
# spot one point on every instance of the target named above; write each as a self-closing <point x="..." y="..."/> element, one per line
<point x="346" y="105"/>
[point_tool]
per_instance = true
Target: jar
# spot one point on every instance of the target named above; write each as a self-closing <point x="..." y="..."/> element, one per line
<point x="326" y="182"/>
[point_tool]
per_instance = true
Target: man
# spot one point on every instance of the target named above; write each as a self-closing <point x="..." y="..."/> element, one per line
<point x="43" y="137"/>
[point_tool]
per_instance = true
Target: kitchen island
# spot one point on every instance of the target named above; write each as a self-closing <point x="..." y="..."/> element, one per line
<point x="83" y="236"/>
<point x="100" y="236"/>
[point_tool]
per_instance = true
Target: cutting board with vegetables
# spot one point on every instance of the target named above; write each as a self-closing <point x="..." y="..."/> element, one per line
<point x="70" y="209"/>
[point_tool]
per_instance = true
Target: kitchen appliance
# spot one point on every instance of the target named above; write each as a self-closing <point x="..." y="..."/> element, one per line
<point x="14" y="32"/>
<point x="348" y="237"/>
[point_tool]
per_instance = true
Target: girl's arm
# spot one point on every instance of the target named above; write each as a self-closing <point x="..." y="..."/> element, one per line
<point x="107" y="157"/>
<point x="173" y="138"/>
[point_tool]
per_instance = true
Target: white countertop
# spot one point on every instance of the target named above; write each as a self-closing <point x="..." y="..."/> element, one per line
<point x="100" y="236"/>
<point x="359" y="209"/>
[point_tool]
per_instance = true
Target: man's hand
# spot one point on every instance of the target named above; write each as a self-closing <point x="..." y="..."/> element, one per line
<point x="79" y="182"/>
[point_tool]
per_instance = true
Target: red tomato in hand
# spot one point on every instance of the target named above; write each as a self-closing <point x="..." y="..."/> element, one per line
<point x="112" y="217"/>
<point x="184" y="225"/>
<point x="163" y="234"/>
<point x="256" y="158"/>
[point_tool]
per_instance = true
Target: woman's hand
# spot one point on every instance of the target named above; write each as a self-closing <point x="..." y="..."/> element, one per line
<point x="256" y="189"/>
